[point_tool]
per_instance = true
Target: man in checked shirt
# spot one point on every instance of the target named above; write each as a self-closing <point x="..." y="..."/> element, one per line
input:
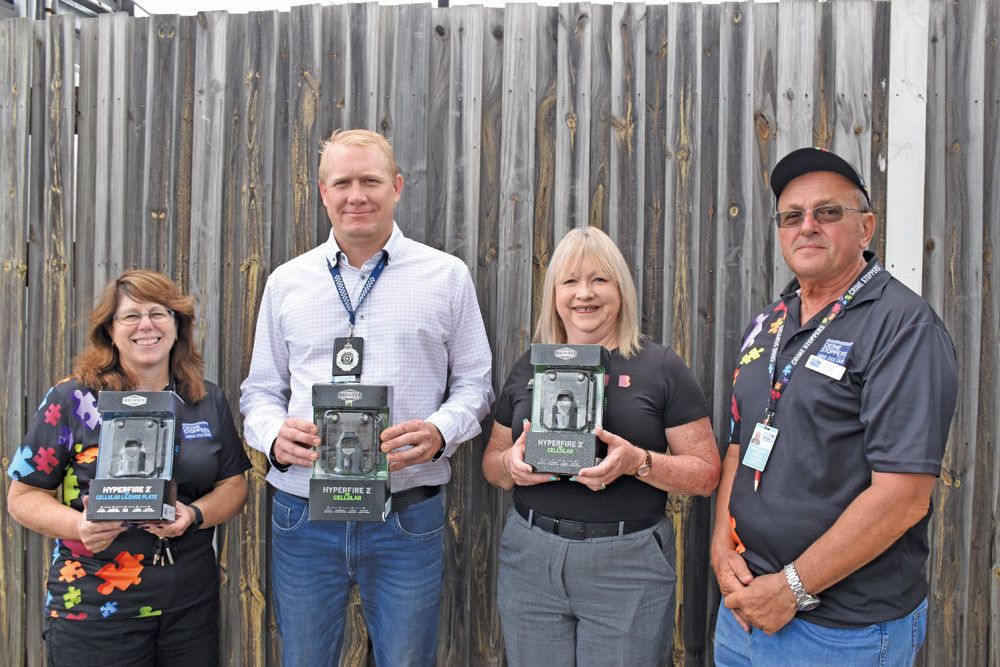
<point x="416" y="312"/>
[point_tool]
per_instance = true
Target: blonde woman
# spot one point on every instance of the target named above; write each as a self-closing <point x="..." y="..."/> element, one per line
<point x="587" y="562"/>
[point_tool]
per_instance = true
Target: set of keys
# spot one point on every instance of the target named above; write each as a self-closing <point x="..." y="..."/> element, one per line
<point x="161" y="552"/>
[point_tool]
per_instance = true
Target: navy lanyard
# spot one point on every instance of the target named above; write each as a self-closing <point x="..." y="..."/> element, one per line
<point x="778" y="386"/>
<point x="345" y="298"/>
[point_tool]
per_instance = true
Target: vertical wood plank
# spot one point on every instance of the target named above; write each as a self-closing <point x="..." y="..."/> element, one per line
<point x="628" y="147"/>
<point x="208" y="133"/>
<point x="300" y="78"/>
<point x="487" y="131"/>
<point x="599" y="183"/>
<point x="50" y="279"/>
<point x="402" y="109"/>
<point x="740" y="225"/>
<point x="156" y="250"/>
<point x="988" y="428"/>
<point x="878" y="176"/>
<point x="465" y="114"/>
<point x="86" y="251"/>
<point x="251" y="66"/>
<point x="961" y="542"/>
<point x="441" y="187"/>
<point x="654" y="225"/>
<point x="797" y="72"/>
<point x="544" y="200"/>
<point x="851" y="101"/>
<point x="16" y="74"/>
<point x="130" y="239"/>
<point x="573" y="119"/>
<point x="682" y="200"/>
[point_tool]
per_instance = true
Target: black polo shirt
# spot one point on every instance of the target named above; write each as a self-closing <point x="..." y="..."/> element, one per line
<point x="889" y="412"/>
<point x="643" y="396"/>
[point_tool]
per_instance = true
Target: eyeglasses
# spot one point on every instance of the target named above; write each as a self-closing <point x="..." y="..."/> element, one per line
<point x="130" y="318"/>
<point x="822" y="214"/>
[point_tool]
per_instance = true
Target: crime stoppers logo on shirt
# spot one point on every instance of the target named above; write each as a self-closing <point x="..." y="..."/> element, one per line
<point x="565" y="353"/>
<point x="134" y="400"/>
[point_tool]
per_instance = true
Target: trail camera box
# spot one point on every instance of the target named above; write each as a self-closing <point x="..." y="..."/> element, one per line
<point x="350" y="478"/>
<point x="135" y="457"/>
<point x="567" y="406"/>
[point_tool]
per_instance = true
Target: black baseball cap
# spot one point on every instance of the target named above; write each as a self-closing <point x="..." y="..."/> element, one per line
<point x="806" y="160"/>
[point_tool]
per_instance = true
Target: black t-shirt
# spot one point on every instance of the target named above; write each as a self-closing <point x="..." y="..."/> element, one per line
<point x="60" y="449"/>
<point x="888" y="411"/>
<point x="643" y="396"/>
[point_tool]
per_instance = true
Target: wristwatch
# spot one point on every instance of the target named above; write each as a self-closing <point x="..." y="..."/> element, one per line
<point x="803" y="600"/>
<point x="643" y="469"/>
<point x="198" y="520"/>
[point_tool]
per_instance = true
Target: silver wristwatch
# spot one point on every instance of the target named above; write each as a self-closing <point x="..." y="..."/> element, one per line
<point x="803" y="600"/>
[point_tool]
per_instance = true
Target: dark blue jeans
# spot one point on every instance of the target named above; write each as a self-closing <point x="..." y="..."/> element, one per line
<point x="396" y="565"/>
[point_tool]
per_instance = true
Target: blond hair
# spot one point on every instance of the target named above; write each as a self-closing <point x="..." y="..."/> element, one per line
<point x="593" y="244"/>
<point x="364" y="138"/>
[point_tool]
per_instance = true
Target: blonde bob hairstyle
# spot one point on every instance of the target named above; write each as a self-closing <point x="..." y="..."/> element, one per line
<point x="99" y="366"/>
<point x="593" y="244"/>
<point x="363" y="138"/>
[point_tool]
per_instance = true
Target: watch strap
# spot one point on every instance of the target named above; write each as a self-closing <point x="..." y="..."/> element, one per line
<point x="198" y="519"/>
<point x="803" y="601"/>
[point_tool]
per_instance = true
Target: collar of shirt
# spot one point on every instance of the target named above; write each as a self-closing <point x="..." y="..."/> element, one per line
<point x="391" y="250"/>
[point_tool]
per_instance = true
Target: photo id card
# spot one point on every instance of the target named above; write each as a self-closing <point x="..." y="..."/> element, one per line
<point x="761" y="443"/>
<point x="347" y="356"/>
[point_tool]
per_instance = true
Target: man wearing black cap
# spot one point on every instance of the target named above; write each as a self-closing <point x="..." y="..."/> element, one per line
<point x="842" y="401"/>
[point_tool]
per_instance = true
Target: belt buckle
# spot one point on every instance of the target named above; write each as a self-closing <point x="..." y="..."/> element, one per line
<point x="573" y="530"/>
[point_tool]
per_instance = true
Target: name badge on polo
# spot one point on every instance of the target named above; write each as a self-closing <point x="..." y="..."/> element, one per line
<point x="830" y="360"/>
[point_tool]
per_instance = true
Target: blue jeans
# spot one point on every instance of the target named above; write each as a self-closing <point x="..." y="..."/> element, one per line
<point x="397" y="566"/>
<point x="893" y="643"/>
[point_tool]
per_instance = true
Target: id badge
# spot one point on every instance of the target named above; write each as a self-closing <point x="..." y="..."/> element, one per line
<point x="348" y="356"/>
<point x="761" y="443"/>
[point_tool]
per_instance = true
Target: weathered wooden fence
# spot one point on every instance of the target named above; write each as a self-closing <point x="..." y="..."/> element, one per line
<point x="189" y="145"/>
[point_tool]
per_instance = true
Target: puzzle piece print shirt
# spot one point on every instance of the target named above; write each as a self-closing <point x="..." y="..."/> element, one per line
<point x="60" y="449"/>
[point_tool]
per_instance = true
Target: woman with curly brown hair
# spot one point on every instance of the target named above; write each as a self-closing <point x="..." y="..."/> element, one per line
<point x="108" y="602"/>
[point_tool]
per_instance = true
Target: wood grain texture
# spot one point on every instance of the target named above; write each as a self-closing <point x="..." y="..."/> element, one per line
<point x="512" y="125"/>
<point x="15" y="122"/>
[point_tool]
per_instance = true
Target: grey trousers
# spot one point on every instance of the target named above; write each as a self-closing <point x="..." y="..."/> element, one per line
<point x="601" y="601"/>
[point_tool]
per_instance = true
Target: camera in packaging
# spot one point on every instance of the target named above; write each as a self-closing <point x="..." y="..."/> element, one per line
<point x="135" y="457"/>
<point x="567" y="406"/>
<point x="350" y="478"/>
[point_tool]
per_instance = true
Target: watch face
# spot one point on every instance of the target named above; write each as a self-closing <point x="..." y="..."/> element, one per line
<point x="810" y="605"/>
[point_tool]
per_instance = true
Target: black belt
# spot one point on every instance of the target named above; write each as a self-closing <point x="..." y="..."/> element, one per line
<point x="403" y="500"/>
<point x="581" y="530"/>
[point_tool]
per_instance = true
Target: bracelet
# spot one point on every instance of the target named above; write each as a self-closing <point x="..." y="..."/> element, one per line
<point x="503" y="464"/>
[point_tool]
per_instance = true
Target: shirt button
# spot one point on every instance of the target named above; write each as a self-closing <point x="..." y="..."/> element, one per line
<point x="363" y="276"/>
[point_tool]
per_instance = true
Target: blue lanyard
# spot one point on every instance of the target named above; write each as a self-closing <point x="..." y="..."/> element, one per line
<point x="778" y="386"/>
<point x="345" y="298"/>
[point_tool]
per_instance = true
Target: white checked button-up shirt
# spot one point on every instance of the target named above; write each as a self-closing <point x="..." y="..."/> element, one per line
<point x="423" y="333"/>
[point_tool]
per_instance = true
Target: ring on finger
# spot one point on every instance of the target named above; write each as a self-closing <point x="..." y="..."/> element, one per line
<point x="603" y="486"/>
<point x="421" y="449"/>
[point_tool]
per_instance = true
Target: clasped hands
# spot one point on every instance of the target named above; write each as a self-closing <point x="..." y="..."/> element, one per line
<point x="765" y="602"/>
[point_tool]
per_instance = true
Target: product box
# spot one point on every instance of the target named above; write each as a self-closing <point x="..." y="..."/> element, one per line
<point x="350" y="479"/>
<point x="567" y="406"/>
<point x="135" y="457"/>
